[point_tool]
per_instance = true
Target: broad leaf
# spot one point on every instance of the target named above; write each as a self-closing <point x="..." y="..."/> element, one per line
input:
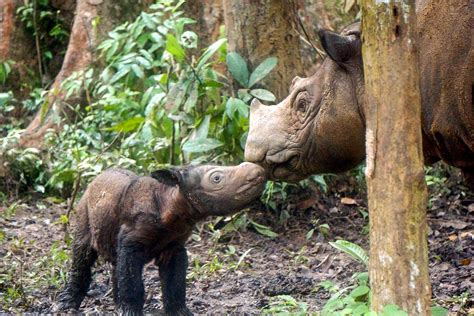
<point x="355" y="251"/>
<point x="189" y="39"/>
<point x="439" y="311"/>
<point x="264" y="230"/>
<point x="138" y="71"/>
<point x="262" y="70"/>
<point x="203" y="129"/>
<point x="238" y="68"/>
<point x="209" y="52"/>
<point x="201" y="145"/>
<point x="121" y="73"/>
<point x="360" y="291"/>
<point x="234" y="104"/>
<point x="173" y="47"/>
<point x="129" y="125"/>
<point x="263" y="94"/>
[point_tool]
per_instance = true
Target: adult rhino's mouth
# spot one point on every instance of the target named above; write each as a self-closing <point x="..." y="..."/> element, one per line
<point x="287" y="170"/>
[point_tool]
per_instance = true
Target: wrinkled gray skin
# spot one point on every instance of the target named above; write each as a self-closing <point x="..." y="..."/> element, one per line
<point x="320" y="126"/>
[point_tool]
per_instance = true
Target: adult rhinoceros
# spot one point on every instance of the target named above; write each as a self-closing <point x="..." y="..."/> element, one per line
<point x="320" y="126"/>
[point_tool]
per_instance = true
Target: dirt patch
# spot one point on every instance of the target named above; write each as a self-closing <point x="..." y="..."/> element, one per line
<point x="241" y="273"/>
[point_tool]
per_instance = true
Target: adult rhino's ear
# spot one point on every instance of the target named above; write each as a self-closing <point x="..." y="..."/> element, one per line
<point x="340" y="48"/>
<point x="170" y="176"/>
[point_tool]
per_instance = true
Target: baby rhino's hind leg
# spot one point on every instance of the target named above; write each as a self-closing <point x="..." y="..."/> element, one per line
<point x="80" y="276"/>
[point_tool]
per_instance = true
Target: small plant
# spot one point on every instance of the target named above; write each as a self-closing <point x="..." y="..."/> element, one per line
<point x="356" y="302"/>
<point x="285" y="305"/>
<point x="322" y="228"/>
<point x="5" y="70"/>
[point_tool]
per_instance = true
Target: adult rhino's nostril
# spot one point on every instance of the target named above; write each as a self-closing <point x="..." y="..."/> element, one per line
<point x="254" y="151"/>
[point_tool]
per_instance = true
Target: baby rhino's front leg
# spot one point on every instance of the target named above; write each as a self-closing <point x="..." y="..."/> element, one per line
<point x="131" y="257"/>
<point x="172" y="264"/>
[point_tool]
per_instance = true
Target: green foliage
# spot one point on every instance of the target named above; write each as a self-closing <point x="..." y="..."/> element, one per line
<point x="239" y="70"/>
<point x="44" y="21"/>
<point x="5" y="70"/>
<point x="285" y="305"/>
<point x="154" y="103"/>
<point x="352" y="300"/>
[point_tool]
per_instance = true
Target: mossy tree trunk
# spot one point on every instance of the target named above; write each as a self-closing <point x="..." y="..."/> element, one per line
<point x="395" y="178"/>
<point x="257" y="29"/>
<point x="93" y="20"/>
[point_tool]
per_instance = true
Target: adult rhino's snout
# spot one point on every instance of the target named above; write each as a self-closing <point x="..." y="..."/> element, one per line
<point x="257" y="142"/>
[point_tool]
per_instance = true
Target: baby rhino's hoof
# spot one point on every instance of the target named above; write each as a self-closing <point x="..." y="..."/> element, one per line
<point x="66" y="302"/>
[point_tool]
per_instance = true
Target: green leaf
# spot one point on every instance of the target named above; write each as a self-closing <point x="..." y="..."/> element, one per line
<point x="119" y="74"/>
<point x="238" y="68"/>
<point x="355" y="251"/>
<point x="189" y="39"/>
<point x="264" y="230"/>
<point x="359" y="291"/>
<point x="138" y="71"/>
<point x="192" y="98"/>
<point x="439" y="311"/>
<point x="393" y="310"/>
<point x="263" y="94"/>
<point x="203" y="129"/>
<point x="201" y="145"/>
<point x="173" y="47"/>
<point x="262" y="70"/>
<point x="129" y="125"/>
<point x="209" y="52"/>
<point x="234" y="104"/>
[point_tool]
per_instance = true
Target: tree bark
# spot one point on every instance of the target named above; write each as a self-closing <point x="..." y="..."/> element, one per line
<point x="257" y="29"/>
<point x="395" y="178"/>
<point x="80" y="55"/>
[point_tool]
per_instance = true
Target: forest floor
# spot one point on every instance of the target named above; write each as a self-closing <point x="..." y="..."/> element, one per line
<point x="242" y="272"/>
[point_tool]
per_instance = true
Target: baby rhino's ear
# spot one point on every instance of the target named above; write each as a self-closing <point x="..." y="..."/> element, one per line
<point x="170" y="176"/>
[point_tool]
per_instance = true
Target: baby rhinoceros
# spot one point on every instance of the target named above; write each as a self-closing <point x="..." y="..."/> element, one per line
<point x="131" y="220"/>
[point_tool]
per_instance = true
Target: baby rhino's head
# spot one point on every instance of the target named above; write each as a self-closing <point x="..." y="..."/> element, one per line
<point x="216" y="190"/>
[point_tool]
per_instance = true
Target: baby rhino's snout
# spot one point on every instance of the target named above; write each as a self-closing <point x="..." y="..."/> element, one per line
<point x="253" y="172"/>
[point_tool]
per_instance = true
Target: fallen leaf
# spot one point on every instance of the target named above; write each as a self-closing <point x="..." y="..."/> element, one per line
<point x="467" y="235"/>
<point x="465" y="261"/>
<point x="348" y="201"/>
<point x="303" y="205"/>
<point x="454" y="224"/>
<point x="470" y="208"/>
<point x="453" y="237"/>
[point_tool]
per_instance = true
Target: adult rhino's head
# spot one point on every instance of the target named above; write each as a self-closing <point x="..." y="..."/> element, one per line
<point x="319" y="126"/>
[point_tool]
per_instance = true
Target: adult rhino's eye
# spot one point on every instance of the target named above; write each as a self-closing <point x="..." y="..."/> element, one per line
<point x="216" y="177"/>
<point x="302" y="102"/>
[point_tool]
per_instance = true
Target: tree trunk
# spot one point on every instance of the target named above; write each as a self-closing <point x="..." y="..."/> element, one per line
<point x="80" y="54"/>
<point x="395" y="177"/>
<point x="257" y="29"/>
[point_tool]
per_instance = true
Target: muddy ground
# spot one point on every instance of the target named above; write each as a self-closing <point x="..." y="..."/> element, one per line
<point x="240" y="272"/>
